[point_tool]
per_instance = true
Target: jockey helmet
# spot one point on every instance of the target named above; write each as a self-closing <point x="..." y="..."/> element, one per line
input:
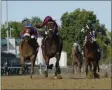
<point x="48" y="18"/>
<point x="28" y="25"/>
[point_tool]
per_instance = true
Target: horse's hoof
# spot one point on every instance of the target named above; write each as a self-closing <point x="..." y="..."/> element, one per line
<point x="55" y="77"/>
<point x="59" y="77"/>
<point x="90" y="76"/>
<point x="96" y="75"/>
<point x="46" y="74"/>
<point x="31" y="77"/>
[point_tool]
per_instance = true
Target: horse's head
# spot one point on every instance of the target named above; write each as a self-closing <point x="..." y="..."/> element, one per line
<point x="27" y="34"/>
<point x="50" y="29"/>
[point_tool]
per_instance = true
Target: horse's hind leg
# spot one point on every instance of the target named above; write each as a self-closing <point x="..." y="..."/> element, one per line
<point x="94" y="69"/>
<point x="79" y="68"/>
<point x="73" y="66"/>
<point x="58" y="70"/>
<point x="22" y="64"/>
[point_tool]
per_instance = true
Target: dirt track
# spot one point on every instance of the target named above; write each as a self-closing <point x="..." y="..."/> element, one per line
<point x="39" y="82"/>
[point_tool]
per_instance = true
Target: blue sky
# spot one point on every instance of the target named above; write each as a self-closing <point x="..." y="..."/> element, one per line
<point x="18" y="10"/>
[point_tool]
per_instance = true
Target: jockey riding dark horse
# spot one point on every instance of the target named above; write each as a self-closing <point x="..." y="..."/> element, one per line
<point x="89" y="29"/>
<point x="51" y="45"/>
<point x="46" y="23"/>
<point x="91" y="50"/>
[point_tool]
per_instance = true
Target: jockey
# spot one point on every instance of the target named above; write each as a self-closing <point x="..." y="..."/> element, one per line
<point x="88" y="28"/>
<point x="92" y="34"/>
<point x="46" y="21"/>
<point x="89" y="25"/>
<point x="33" y="32"/>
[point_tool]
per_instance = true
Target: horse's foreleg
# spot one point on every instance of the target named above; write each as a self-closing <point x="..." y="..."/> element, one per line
<point x="73" y="63"/>
<point x="79" y="68"/>
<point x="46" y="67"/>
<point x="86" y="66"/>
<point x="90" y="66"/>
<point x="32" y="65"/>
<point x="94" y="69"/>
<point x="73" y="66"/>
<point x="22" y="64"/>
<point x="58" y="70"/>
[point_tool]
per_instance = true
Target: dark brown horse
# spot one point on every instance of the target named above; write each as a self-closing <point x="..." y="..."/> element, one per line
<point x="77" y="59"/>
<point x="92" y="56"/>
<point x="28" y="51"/>
<point x="52" y="47"/>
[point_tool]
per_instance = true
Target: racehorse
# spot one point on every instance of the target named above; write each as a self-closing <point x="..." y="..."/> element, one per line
<point x="77" y="59"/>
<point x="28" y="51"/>
<point x="51" y="47"/>
<point x="92" y="56"/>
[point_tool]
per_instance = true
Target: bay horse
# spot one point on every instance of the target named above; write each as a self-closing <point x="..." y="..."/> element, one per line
<point x="91" y="54"/>
<point x="51" y="47"/>
<point x="28" y="51"/>
<point x="77" y="59"/>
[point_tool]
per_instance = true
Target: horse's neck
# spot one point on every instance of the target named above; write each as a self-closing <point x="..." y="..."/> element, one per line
<point x="50" y="42"/>
<point x="87" y="44"/>
<point x="54" y="37"/>
<point x="91" y="46"/>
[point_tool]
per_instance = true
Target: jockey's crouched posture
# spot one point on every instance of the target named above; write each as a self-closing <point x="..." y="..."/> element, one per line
<point x="49" y="23"/>
<point x="32" y="33"/>
<point x="90" y="28"/>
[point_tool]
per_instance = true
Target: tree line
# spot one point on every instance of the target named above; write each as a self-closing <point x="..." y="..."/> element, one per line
<point x="70" y="30"/>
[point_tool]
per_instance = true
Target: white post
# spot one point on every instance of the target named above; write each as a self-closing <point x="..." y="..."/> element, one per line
<point x="10" y="32"/>
<point x="0" y="18"/>
<point x="7" y="26"/>
<point x="0" y="30"/>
